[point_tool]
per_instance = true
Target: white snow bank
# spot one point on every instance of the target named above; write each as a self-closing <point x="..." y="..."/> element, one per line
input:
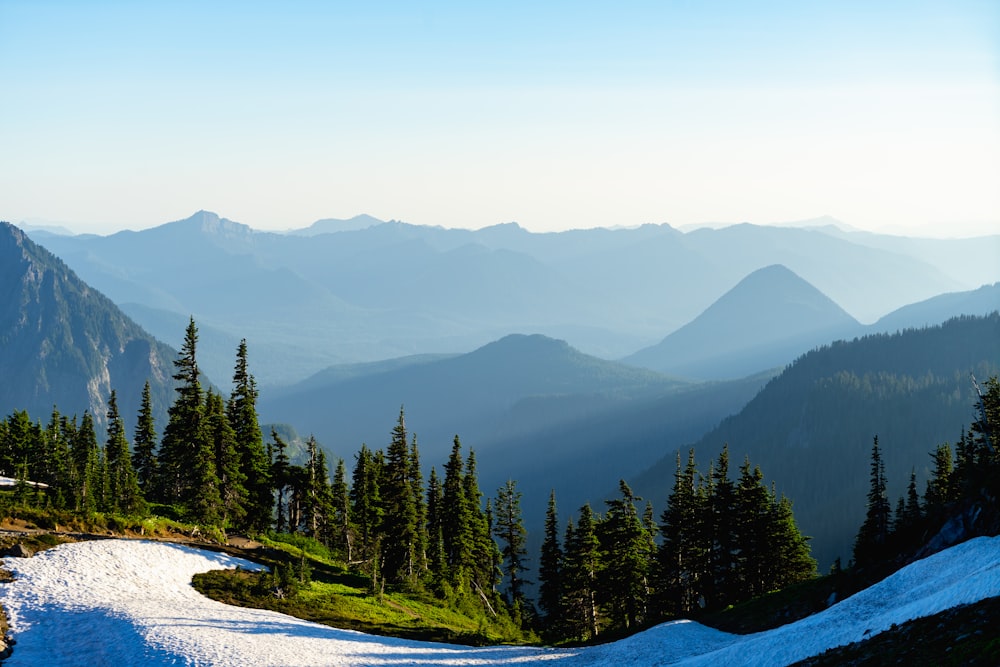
<point x="131" y="603"/>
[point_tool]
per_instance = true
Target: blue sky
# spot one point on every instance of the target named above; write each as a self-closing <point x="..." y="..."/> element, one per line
<point x="884" y="115"/>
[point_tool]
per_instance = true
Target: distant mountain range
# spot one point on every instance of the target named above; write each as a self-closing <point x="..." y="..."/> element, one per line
<point x="64" y="344"/>
<point x="365" y="290"/>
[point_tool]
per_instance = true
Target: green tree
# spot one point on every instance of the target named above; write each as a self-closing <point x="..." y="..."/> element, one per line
<point x="580" y="577"/>
<point x="144" y="445"/>
<point x="869" y="545"/>
<point x="456" y="518"/>
<point x="86" y="466"/>
<point x="436" y="559"/>
<point x="184" y="462"/>
<point x="280" y="476"/>
<point x="366" y="505"/>
<point x="399" y="523"/>
<point x="222" y="439"/>
<point x="342" y="531"/>
<point x="680" y="559"/>
<point x="124" y="495"/>
<point x="241" y="411"/>
<point x="626" y="549"/>
<point x="550" y="570"/>
<point x="510" y="530"/>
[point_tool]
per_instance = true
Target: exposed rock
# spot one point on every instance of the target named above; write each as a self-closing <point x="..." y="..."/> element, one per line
<point x="18" y="551"/>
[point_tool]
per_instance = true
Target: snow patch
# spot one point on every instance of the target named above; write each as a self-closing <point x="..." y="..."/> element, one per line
<point x="131" y="602"/>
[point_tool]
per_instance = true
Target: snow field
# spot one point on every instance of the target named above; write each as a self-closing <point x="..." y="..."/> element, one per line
<point x="130" y="602"/>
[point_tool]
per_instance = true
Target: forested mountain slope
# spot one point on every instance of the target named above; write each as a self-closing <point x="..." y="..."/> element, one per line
<point x="811" y="428"/>
<point x="64" y="343"/>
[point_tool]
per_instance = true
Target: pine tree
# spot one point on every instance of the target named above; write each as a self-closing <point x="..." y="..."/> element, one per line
<point x="57" y="460"/>
<point x="241" y="411"/>
<point x="627" y="553"/>
<point x="280" y="476"/>
<point x="939" y="487"/>
<point x="753" y="517"/>
<point x="419" y="508"/>
<point x="550" y="570"/>
<point x="484" y="573"/>
<point x="342" y="530"/>
<point x="869" y="545"/>
<point x="583" y="559"/>
<point x="231" y="481"/>
<point x="144" y="445"/>
<point x="366" y="505"/>
<point x="86" y="468"/>
<point x="436" y="559"/>
<point x="510" y="530"/>
<point x="399" y="523"/>
<point x="183" y="462"/>
<point x="788" y="549"/>
<point x="681" y="556"/>
<point x="721" y="582"/>
<point x="124" y="495"/>
<point x="456" y="519"/>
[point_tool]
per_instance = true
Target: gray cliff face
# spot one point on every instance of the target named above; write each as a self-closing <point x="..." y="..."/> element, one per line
<point x="64" y="344"/>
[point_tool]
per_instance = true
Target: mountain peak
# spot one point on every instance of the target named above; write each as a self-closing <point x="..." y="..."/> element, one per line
<point x="771" y="316"/>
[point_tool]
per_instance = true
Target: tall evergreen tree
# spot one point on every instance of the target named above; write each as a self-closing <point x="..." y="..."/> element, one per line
<point x="85" y="458"/>
<point x="419" y="508"/>
<point x="583" y="560"/>
<point x="343" y="532"/>
<point x="627" y="553"/>
<point x="366" y="505"/>
<point x="183" y="465"/>
<point x="939" y="490"/>
<point x="280" y="476"/>
<point x="436" y="559"/>
<point x="753" y="519"/>
<point x="241" y="410"/>
<point x="456" y="518"/>
<point x="680" y="559"/>
<point x="144" y="445"/>
<point x="484" y="574"/>
<point x="231" y="481"/>
<point x="124" y="495"/>
<point x="550" y="570"/>
<point x="869" y="545"/>
<point x="399" y="522"/>
<point x="509" y="528"/>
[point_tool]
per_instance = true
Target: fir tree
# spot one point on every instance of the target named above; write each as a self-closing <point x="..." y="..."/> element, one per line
<point x="456" y="518"/>
<point x="681" y="556"/>
<point x="222" y="440"/>
<point x="185" y="462"/>
<point x="366" y="505"/>
<point x="583" y="557"/>
<point x="939" y="487"/>
<point x="280" y="476"/>
<point x="399" y="509"/>
<point x="124" y="495"/>
<point x="86" y="470"/>
<point x="753" y="518"/>
<point x="509" y="529"/>
<point x="144" y="445"/>
<point x="241" y="411"/>
<point x="869" y="545"/>
<point x="436" y="559"/>
<point x="627" y="554"/>
<point x="342" y="531"/>
<point x="550" y="569"/>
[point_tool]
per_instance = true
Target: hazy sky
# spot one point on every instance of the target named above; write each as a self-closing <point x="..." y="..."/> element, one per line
<point x="885" y="115"/>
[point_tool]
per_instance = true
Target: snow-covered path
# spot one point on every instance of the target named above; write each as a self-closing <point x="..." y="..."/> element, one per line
<point x="127" y="602"/>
